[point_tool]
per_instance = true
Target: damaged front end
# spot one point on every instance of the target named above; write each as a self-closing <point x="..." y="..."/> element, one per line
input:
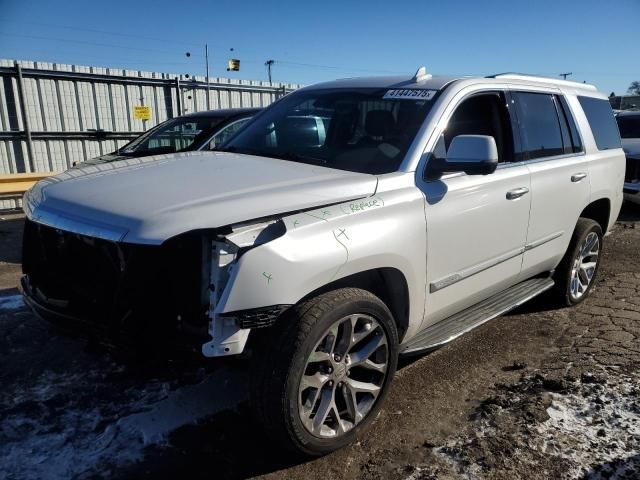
<point x="144" y="296"/>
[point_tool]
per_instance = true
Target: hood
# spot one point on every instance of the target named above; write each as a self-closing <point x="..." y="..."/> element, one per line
<point x="631" y="147"/>
<point x="151" y="199"/>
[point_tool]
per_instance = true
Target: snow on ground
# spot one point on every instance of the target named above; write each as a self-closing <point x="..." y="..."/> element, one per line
<point x="598" y="425"/>
<point x="52" y="432"/>
<point x="11" y="302"/>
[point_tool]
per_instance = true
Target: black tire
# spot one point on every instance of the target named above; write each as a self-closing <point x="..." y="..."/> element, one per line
<point x="564" y="272"/>
<point x="281" y="358"/>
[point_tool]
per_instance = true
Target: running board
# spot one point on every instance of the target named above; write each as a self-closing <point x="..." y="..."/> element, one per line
<point x="452" y="327"/>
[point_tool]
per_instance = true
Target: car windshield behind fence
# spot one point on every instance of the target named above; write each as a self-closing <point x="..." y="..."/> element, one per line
<point x="629" y="126"/>
<point x="356" y="130"/>
<point x="173" y="136"/>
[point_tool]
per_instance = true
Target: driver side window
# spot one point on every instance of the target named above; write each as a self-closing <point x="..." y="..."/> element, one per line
<point x="481" y="114"/>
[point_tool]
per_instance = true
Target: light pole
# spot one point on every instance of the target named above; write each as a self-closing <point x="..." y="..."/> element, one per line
<point x="268" y="63"/>
<point x="206" y="64"/>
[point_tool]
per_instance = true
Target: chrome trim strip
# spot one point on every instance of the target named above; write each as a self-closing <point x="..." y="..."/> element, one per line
<point x="542" y="241"/>
<point x="481" y="267"/>
<point x="63" y="222"/>
<point x="540" y="160"/>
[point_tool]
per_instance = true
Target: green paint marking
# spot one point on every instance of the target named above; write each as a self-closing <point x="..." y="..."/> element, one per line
<point x="359" y="206"/>
<point x="326" y="213"/>
<point x="342" y="232"/>
<point x="295" y="223"/>
<point x="268" y="277"/>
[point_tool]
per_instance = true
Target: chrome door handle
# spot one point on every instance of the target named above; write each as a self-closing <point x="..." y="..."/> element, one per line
<point x="578" y="176"/>
<point x="517" y="193"/>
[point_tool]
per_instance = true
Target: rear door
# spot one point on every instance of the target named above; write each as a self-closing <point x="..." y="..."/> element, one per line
<point x="554" y="153"/>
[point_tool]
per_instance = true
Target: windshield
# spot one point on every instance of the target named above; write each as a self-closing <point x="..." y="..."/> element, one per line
<point x="629" y="126"/>
<point x="173" y="135"/>
<point x="349" y="129"/>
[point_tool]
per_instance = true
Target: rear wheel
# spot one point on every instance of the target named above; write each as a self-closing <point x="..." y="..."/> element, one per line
<point x="577" y="271"/>
<point x="326" y="370"/>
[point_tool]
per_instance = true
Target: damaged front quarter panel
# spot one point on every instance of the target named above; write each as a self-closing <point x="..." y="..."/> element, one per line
<point x="310" y="250"/>
<point x="228" y="337"/>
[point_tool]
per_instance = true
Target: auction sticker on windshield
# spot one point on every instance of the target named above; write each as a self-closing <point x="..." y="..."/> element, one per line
<point x="410" y="94"/>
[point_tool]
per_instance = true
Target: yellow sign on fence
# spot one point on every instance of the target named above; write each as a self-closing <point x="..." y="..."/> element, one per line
<point x="142" y="112"/>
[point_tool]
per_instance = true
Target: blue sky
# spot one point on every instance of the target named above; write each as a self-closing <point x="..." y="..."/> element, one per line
<point x="314" y="41"/>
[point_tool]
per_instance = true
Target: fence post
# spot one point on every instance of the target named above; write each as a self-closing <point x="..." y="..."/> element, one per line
<point x="25" y="119"/>
<point x="179" y="96"/>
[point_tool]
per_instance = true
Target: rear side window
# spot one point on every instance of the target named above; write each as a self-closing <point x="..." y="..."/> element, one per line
<point x="602" y="122"/>
<point x="539" y="125"/>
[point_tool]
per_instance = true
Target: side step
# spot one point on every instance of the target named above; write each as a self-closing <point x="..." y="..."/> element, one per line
<point x="452" y="327"/>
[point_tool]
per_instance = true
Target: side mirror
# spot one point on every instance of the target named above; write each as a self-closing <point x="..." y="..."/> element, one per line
<point x="471" y="154"/>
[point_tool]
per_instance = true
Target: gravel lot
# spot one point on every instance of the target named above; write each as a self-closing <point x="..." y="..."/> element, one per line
<point x="540" y="393"/>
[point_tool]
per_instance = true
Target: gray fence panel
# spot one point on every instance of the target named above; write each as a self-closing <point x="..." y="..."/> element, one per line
<point x="65" y="106"/>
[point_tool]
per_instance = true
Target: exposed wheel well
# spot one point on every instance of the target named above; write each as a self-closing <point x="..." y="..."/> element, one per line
<point x="600" y="211"/>
<point x="388" y="284"/>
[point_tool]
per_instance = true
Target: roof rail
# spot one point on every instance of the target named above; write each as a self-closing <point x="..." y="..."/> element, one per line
<point x="543" y="79"/>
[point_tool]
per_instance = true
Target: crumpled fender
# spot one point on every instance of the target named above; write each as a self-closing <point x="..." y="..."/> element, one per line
<point x="323" y="245"/>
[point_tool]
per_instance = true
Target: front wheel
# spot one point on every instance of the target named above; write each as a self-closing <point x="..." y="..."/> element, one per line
<point x="324" y="371"/>
<point x="576" y="273"/>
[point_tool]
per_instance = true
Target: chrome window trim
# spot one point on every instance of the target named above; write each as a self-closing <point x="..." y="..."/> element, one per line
<point x="541" y="160"/>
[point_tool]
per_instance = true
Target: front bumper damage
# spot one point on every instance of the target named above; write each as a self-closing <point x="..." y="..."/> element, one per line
<point x="141" y="296"/>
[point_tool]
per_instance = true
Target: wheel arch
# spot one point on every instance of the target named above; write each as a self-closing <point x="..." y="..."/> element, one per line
<point x="600" y="212"/>
<point x="389" y="284"/>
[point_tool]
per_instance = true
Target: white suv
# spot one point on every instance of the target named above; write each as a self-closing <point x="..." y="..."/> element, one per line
<point x="349" y="223"/>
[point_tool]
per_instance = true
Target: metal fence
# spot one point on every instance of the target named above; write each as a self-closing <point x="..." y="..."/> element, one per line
<point x="52" y="115"/>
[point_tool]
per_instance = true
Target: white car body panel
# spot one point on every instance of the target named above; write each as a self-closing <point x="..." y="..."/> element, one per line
<point x="324" y="245"/>
<point x="148" y="200"/>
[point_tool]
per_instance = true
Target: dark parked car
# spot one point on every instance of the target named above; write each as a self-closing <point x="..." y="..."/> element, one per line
<point x="629" y="125"/>
<point x="196" y="131"/>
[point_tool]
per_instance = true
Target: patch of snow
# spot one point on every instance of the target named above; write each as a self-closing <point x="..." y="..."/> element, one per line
<point x="11" y="302"/>
<point x="49" y="434"/>
<point x="596" y="427"/>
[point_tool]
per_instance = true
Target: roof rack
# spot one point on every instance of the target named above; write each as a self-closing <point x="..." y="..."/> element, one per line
<point x="542" y="79"/>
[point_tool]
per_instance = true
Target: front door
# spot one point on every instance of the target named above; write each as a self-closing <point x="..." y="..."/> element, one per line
<point x="476" y="224"/>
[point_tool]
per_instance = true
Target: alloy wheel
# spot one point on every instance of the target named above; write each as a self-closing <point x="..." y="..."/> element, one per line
<point x="584" y="265"/>
<point x="343" y="376"/>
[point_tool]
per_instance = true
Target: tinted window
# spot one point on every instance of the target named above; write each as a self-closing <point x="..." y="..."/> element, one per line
<point x="225" y="133"/>
<point x="174" y="135"/>
<point x="629" y="126"/>
<point x="575" y="143"/>
<point x="360" y="130"/>
<point x="484" y="114"/>
<point x="539" y="125"/>
<point x="602" y="122"/>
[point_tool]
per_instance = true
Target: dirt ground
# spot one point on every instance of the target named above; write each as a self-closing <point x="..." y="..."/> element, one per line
<point x="539" y="393"/>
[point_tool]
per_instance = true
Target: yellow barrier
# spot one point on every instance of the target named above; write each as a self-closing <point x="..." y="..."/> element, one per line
<point x="18" y="183"/>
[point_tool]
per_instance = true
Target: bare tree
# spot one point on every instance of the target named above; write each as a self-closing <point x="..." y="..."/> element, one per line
<point x="634" y="88"/>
